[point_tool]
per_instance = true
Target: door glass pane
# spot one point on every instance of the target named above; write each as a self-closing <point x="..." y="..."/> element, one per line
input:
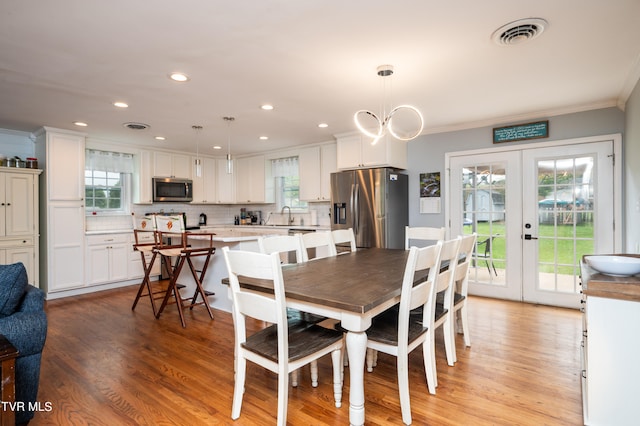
<point x="565" y="221"/>
<point x="483" y="192"/>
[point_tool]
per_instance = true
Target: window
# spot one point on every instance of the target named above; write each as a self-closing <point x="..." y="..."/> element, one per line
<point x="103" y="190"/>
<point x="107" y="181"/>
<point x="287" y="180"/>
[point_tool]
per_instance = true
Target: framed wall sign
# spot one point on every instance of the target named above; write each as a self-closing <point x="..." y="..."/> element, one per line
<point x="519" y="132"/>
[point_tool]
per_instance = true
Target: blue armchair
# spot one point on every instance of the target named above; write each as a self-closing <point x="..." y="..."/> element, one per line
<point x="24" y="323"/>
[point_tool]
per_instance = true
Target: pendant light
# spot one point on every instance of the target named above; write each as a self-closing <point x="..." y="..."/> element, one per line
<point x="383" y="124"/>
<point x="198" y="161"/>
<point x="229" y="159"/>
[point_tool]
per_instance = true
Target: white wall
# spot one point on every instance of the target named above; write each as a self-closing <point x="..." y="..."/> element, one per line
<point x="631" y="149"/>
<point x="426" y="153"/>
<point x="14" y="143"/>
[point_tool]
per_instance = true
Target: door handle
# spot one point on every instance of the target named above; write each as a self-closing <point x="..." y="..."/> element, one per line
<point x="529" y="237"/>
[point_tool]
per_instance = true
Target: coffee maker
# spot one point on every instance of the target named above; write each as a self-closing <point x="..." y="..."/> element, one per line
<point x="203" y="219"/>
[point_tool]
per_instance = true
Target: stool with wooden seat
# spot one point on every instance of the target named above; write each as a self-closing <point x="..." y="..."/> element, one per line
<point x="144" y="233"/>
<point x="172" y="227"/>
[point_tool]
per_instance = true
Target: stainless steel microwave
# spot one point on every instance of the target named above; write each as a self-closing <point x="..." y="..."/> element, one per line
<point x="172" y="189"/>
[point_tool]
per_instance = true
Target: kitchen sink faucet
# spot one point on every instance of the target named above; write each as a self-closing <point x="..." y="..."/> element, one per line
<point x="290" y="220"/>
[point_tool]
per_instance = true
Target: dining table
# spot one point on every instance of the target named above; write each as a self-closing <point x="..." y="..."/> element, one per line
<point x="353" y="288"/>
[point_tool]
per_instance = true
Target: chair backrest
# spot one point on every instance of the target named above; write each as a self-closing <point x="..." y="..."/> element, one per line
<point x="144" y="229"/>
<point x="319" y="240"/>
<point x="341" y="237"/>
<point x="421" y="294"/>
<point x="422" y="233"/>
<point x="282" y="244"/>
<point x="171" y="226"/>
<point x="266" y="307"/>
<point x="449" y="254"/>
<point x="465" y="253"/>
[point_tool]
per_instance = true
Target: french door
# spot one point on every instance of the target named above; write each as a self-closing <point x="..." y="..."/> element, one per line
<point x="536" y="212"/>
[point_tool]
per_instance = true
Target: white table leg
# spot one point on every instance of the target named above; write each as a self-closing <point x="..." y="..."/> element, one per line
<point x="356" y="349"/>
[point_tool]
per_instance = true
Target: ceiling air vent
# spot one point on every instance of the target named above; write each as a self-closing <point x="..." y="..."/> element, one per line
<point x="520" y="31"/>
<point x="136" y="126"/>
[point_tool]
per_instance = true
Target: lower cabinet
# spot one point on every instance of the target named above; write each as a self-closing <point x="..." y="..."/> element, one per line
<point x="21" y="250"/>
<point x="136" y="269"/>
<point x="107" y="258"/>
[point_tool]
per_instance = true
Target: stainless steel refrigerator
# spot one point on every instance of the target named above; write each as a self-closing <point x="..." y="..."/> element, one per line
<point x="374" y="202"/>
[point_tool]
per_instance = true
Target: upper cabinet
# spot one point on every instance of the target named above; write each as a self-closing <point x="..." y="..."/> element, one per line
<point x="315" y="167"/>
<point x="225" y="182"/>
<point x="171" y="165"/>
<point x="204" y="186"/>
<point x="356" y="151"/>
<point x="251" y="182"/>
<point x="62" y="156"/>
<point x="143" y="189"/>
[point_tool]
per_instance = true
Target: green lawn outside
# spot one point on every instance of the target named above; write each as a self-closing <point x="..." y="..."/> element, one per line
<point x="560" y="250"/>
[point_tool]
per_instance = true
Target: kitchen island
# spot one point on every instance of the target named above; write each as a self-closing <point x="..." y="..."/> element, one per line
<point x="610" y="347"/>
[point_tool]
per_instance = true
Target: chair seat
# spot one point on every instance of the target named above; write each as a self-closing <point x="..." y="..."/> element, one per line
<point x="385" y="329"/>
<point x="171" y="252"/>
<point x="147" y="248"/>
<point x="304" y="339"/>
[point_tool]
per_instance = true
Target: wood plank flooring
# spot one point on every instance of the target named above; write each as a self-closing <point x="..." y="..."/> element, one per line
<point x="104" y="364"/>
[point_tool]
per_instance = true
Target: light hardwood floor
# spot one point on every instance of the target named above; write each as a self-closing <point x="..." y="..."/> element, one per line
<point x="104" y="364"/>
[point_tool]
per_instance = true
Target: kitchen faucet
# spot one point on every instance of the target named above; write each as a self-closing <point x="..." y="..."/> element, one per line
<point x="290" y="221"/>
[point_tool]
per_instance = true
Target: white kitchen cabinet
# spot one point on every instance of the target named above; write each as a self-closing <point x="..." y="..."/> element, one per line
<point x="204" y="187"/>
<point x="250" y="180"/>
<point x="14" y="250"/>
<point x="356" y="151"/>
<point x="144" y="174"/>
<point x="61" y="154"/>
<point x="315" y="167"/>
<point x="225" y="182"/>
<point x="135" y="269"/>
<point x="171" y="165"/>
<point x="610" y="348"/>
<point x="107" y="258"/>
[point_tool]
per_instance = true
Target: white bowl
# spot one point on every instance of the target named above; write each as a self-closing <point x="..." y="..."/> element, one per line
<point x="620" y="266"/>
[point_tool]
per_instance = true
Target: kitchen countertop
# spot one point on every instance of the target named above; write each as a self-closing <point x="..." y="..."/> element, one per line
<point x="601" y="285"/>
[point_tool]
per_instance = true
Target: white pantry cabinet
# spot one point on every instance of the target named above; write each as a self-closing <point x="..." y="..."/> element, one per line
<point x="19" y="227"/>
<point x="61" y="154"/>
<point x="356" y="151"/>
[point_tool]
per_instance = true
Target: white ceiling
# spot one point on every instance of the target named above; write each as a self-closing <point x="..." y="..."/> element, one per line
<point x="68" y="60"/>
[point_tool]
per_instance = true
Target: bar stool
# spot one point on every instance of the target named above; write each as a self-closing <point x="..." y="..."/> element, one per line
<point x="172" y="227"/>
<point x="144" y="232"/>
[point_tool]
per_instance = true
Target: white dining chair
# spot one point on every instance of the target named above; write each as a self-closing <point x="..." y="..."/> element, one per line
<point x="399" y="332"/>
<point x="321" y="242"/>
<point x="286" y="245"/>
<point x="282" y="347"/>
<point x="426" y="235"/>
<point x="344" y="239"/>
<point x="460" y="295"/>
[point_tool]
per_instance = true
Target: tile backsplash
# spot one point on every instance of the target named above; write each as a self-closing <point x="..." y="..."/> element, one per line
<point x="216" y="215"/>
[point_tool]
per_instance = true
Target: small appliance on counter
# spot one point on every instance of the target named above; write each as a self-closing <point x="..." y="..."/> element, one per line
<point x="203" y="219"/>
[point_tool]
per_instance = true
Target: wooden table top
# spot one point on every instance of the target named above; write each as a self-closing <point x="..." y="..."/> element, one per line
<point x="601" y="285"/>
<point x="354" y="282"/>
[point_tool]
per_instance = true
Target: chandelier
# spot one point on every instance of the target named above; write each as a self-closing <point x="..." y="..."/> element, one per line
<point x="384" y="123"/>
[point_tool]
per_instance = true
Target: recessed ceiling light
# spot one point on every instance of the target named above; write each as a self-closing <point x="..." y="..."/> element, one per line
<point x="121" y="104"/>
<point x="323" y="125"/>
<point x="267" y="107"/>
<point x="80" y="123"/>
<point x="264" y="138"/>
<point x="179" y="77"/>
<point x="160" y="138"/>
<point x="217" y="147"/>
